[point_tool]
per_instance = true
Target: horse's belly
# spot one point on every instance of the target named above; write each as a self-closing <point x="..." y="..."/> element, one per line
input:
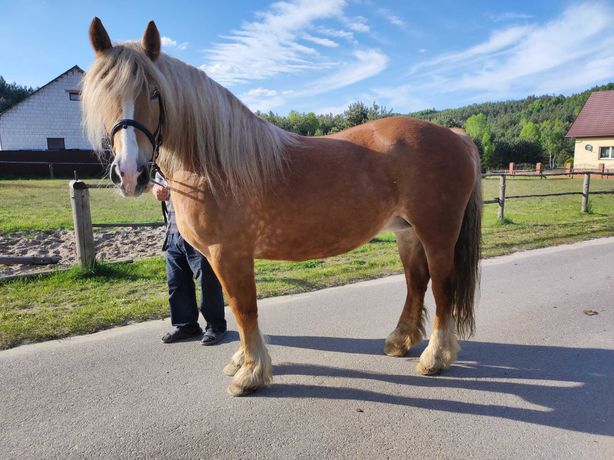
<point x="298" y="244"/>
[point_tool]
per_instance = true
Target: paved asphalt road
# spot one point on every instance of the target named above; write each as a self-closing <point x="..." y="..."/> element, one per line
<point x="537" y="380"/>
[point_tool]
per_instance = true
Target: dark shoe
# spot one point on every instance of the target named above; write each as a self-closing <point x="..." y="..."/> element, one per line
<point x="181" y="333"/>
<point x="212" y="337"/>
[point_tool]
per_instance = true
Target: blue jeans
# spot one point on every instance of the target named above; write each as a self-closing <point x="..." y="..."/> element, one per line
<point x="184" y="264"/>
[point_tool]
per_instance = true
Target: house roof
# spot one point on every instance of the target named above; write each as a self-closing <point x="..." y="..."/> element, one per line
<point x="73" y="68"/>
<point x="596" y="118"/>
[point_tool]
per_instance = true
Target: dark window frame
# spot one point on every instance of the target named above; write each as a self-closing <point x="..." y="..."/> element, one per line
<point x="56" y="143"/>
<point x="606" y="153"/>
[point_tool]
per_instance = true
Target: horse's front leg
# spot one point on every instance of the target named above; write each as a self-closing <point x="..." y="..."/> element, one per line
<point x="250" y="366"/>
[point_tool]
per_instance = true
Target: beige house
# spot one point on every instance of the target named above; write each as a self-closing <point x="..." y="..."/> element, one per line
<point x="594" y="132"/>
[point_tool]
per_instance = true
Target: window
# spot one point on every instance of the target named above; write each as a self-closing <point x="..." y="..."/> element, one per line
<point x="606" y="153"/>
<point x="55" y="143"/>
<point x="74" y="95"/>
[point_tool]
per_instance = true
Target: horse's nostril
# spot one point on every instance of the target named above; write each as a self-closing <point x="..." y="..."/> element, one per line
<point x="115" y="177"/>
<point x="143" y="178"/>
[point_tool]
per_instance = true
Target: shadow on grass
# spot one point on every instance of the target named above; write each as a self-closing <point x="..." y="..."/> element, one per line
<point x="572" y="386"/>
<point x="296" y="283"/>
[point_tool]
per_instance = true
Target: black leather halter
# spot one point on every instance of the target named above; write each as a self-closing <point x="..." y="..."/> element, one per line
<point x="155" y="138"/>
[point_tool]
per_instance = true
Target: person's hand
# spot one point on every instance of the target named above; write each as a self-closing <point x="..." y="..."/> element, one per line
<point x="161" y="193"/>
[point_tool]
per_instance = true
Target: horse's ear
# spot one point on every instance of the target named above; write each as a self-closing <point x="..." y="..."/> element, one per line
<point x="151" y="41"/>
<point x="99" y="38"/>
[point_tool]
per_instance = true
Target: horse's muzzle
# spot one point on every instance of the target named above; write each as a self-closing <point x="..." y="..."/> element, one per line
<point x="131" y="184"/>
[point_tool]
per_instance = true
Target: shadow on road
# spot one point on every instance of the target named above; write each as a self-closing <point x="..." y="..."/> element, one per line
<point x="571" y="386"/>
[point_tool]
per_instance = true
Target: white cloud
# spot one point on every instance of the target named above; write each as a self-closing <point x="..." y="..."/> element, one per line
<point x="497" y="42"/>
<point x="367" y="64"/>
<point x="508" y="16"/>
<point x="357" y="24"/>
<point x="551" y="57"/>
<point x="270" y="45"/>
<point x="262" y="92"/>
<point x="262" y="99"/>
<point x="337" y="33"/>
<point x="169" y="43"/>
<point x="327" y="42"/>
<point x="392" y="18"/>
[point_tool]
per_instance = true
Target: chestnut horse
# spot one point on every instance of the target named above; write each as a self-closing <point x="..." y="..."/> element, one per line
<point x="245" y="189"/>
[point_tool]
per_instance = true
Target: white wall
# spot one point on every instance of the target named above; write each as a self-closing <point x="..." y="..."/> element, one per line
<point x="47" y="113"/>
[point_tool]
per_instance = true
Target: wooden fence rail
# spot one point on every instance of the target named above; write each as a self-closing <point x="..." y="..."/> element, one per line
<point x="585" y="191"/>
<point x="84" y="234"/>
<point x="29" y="260"/>
<point x="82" y="219"/>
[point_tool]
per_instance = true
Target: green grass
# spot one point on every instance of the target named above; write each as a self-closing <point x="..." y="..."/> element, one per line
<point x="78" y="302"/>
<point x="38" y="205"/>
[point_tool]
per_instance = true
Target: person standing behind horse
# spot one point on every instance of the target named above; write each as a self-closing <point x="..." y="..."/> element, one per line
<point x="184" y="264"/>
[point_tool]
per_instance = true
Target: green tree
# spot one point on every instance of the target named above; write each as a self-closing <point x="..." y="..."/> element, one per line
<point x="11" y="94"/>
<point x="376" y="112"/>
<point x="529" y="131"/>
<point x="478" y="128"/>
<point x="356" y="114"/>
<point x="517" y="150"/>
<point x="553" y="142"/>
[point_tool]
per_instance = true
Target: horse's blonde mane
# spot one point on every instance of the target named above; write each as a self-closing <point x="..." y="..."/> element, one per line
<point x="207" y="128"/>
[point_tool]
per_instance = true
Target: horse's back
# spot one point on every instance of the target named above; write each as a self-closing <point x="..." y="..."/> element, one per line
<point x="412" y="136"/>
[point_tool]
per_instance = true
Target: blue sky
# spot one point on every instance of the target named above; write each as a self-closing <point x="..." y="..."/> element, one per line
<point x="320" y="55"/>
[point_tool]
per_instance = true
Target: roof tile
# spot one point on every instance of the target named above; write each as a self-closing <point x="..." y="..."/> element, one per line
<point x="596" y="118"/>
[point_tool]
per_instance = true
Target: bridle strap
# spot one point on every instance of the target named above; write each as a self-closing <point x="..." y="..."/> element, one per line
<point x="125" y="122"/>
<point x="155" y="138"/>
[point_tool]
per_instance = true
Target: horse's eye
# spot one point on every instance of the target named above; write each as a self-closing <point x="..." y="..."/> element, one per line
<point x="154" y="94"/>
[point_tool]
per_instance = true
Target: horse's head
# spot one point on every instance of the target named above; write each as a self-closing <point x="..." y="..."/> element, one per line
<point x="122" y="104"/>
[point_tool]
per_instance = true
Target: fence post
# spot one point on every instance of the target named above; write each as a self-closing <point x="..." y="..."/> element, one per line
<point x="538" y="169"/>
<point x="51" y="176"/>
<point x="82" y="220"/>
<point x="585" y="188"/>
<point x="568" y="169"/>
<point x="601" y="169"/>
<point x="501" y="212"/>
<point x="512" y="166"/>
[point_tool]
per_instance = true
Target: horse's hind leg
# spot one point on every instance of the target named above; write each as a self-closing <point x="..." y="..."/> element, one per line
<point x="443" y="347"/>
<point x="250" y="366"/>
<point x="410" y="328"/>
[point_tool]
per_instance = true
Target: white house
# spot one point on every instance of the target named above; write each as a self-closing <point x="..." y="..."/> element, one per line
<point x="48" y="119"/>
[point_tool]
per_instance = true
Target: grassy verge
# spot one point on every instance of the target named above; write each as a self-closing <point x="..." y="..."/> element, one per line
<point x="39" y="205"/>
<point x="77" y="302"/>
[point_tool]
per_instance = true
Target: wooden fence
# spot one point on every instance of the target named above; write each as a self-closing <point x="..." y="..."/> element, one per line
<point x="500" y="200"/>
<point x="84" y="235"/>
<point x="84" y="227"/>
<point x="82" y="219"/>
<point x="54" y="163"/>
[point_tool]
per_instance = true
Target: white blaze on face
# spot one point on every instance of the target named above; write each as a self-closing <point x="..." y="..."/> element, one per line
<point x="128" y="161"/>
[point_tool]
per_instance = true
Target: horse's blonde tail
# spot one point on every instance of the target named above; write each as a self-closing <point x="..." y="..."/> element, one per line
<point x="466" y="261"/>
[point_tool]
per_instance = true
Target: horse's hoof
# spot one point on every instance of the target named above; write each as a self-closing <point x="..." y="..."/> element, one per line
<point x="237" y="390"/>
<point x="395" y="350"/>
<point x="231" y="369"/>
<point x="425" y="370"/>
<point x="396" y="344"/>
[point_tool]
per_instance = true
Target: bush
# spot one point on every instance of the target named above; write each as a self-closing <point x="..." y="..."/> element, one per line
<point x="517" y="151"/>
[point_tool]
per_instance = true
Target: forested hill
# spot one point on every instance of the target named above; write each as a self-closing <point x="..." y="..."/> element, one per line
<point x="507" y="118"/>
<point x="11" y="94"/>
<point x="526" y="130"/>
<point x="529" y="130"/>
